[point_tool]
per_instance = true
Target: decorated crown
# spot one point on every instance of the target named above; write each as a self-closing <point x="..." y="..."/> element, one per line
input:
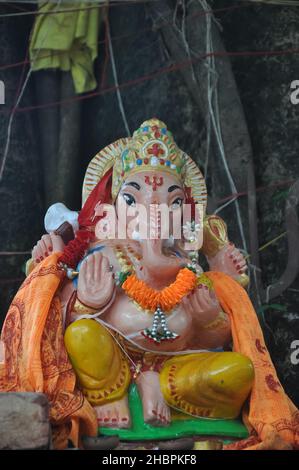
<point x="151" y="148"/>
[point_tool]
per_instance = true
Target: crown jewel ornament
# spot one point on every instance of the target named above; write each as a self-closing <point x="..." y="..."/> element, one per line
<point x="151" y="147"/>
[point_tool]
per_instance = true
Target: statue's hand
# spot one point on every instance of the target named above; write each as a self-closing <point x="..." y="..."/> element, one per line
<point x="228" y="260"/>
<point x="47" y="245"/>
<point x="202" y="305"/>
<point x="95" y="281"/>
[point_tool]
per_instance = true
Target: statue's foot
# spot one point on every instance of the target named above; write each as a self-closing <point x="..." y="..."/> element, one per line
<point x="155" y="410"/>
<point x="115" y="414"/>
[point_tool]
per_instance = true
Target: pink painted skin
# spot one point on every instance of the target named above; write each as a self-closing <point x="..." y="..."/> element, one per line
<point x="48" y="244"/>
<point x="229" y="260"/>
<point x="158" y="267"/>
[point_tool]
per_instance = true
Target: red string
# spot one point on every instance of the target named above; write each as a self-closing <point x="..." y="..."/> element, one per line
<point x="162" y="71"/>
<point x="120" y="3"/>
<point x="231" y="196"/>
<point x="13" y="253"/>
<point x="259" y="189"/>
<point x="75" y="249"/>
<point x="71" y="10"/>
<point x="126" y="36"/>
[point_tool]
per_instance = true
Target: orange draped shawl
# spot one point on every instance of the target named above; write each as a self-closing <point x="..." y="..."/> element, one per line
<point x="36" y="360"/>
<point x="35" y="356"/>
<point x="271" y="417"/>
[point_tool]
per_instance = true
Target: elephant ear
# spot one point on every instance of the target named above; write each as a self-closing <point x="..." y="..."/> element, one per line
<point x="195" y="181"/>
<point x="214" y="235"/>
<point x="196" y="192"/>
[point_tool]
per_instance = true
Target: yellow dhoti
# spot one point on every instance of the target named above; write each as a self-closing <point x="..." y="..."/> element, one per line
<point x="205" y="384"/>
<point x="102" y="370"/>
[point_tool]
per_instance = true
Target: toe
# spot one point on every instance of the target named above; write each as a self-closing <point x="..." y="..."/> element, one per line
<point x="167" y="417"/>
<point x="164" y="414"/>
<point x="151" y="416"/>
<point x="161" y="414"/>
<point x="124" y="421"/>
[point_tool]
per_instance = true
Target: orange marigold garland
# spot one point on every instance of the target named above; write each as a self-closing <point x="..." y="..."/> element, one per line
<point x="158" y="302"/>
<point x="149" y="298"/>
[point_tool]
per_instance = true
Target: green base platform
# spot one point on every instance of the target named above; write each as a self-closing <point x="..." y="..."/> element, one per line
<point x="178" y="428"/>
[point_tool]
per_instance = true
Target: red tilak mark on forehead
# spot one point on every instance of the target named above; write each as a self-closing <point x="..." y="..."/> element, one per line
<point x="155" y="181"/>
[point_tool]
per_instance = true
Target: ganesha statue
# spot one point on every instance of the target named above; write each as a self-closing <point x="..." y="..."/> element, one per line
<point x="116" y="295"/>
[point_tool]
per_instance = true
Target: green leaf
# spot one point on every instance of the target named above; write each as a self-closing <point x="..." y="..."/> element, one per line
<point x="280" y="195"/>
<point x="279" y="307"/>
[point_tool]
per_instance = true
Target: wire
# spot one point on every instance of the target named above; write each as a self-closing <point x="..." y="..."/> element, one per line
<point x="10" y="123"/>
<point x="101" y="4"/>
<point x="16" y="7"/>
<point x="118" y="94"/>
<point x="107" y="53"/>
<point x="14" y="109"/>
<point x="13" y="253"/>
<point x="219" y="209"/>
<point x="162" y="71"/>
<point x="125" y="36"/>
<point x="259" y="189"/>
<point x="274" y="240"/>
<point x="215" y="119"/>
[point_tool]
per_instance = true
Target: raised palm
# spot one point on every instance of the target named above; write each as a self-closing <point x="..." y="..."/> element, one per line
<point x="95" y="281"/>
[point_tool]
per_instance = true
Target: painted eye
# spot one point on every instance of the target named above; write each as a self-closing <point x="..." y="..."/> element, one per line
<point x="177" y="203"/>
<point x="130" y="200"/>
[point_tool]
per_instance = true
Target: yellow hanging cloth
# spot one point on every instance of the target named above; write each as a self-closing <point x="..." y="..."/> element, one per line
<point x="67" y="40"/>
